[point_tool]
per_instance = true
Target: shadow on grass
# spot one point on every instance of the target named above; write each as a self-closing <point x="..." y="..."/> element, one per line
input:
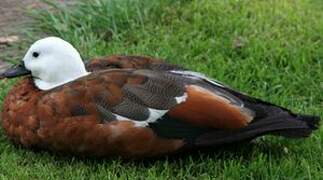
<point x="244" y="152"/>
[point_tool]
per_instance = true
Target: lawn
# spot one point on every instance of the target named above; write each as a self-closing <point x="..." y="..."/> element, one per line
<point x="271" y="49"/>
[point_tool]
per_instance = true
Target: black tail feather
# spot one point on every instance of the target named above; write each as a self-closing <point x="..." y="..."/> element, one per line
<point x="282" y="124"/>
<point x="311" y="123"/>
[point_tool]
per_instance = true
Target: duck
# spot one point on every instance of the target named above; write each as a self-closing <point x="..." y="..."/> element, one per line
<point x="131" y="107"/>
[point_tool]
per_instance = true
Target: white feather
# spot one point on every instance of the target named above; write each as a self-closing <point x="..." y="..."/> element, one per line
<point x="198" y="75"/>
<point x="181" y="99"/>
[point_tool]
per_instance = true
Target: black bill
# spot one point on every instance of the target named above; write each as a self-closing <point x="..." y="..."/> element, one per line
<point x="15" y="71"/>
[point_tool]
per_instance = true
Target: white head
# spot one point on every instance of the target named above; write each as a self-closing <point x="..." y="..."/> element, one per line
<point x="53" y="62"/>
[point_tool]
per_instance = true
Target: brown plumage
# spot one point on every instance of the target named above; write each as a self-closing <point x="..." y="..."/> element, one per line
<point x="134" y="106"/>
<point x="124" y="62"/>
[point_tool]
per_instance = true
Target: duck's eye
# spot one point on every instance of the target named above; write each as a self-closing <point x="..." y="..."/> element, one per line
<point x="35" y="54"/>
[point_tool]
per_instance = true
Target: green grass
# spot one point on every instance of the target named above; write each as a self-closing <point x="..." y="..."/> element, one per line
<point x="271" y="49"/>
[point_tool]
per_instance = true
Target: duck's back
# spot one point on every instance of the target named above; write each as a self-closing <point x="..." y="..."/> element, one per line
<point x="129" y="62"/>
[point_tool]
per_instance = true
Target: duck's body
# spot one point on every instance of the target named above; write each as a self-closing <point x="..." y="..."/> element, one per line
<point x="146" y="108"/>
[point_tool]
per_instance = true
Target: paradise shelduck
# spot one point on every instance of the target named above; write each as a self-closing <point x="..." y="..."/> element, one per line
<point x="140" y="108"/>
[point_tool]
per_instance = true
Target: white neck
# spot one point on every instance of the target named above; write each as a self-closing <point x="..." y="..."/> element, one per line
<point x="43" y="85"/>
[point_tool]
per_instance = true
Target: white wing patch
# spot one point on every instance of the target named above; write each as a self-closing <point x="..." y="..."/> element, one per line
<point x="154" y="114"/>
<point x="181" y="99"/>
